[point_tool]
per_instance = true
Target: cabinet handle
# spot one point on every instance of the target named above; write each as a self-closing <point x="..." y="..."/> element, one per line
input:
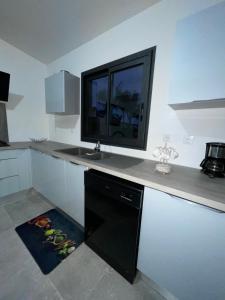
<point x="54" y="156"/>
<point x="3" y="178"/>
<point x="73" y="163"/>
<point x="218" y="211"/>
<point x="212" y="209"/>
<point x="126" y="198"/>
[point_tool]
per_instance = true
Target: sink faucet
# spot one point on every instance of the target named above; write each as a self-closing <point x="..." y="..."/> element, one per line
<point x="98" y="147"/>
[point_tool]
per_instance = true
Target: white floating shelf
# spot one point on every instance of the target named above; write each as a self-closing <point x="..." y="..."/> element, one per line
<point x="200" y="104"/>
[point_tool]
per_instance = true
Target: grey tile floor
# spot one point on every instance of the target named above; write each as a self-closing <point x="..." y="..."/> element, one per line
<point x="82" y="276"/>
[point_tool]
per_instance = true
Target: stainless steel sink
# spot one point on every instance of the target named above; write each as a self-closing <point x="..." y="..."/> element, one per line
<point x="97" y="155"/>
<point x="85" y="153"/>
<point x="78" y="151"/>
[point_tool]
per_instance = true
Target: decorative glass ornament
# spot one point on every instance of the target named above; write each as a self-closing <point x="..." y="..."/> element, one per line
<point x="164" y="154"/>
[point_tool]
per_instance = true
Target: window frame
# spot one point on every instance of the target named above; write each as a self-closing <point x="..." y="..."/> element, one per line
<point x="145" y="57"/>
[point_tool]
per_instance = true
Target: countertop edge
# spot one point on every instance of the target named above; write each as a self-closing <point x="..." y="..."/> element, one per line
<point x="89" y="164"/>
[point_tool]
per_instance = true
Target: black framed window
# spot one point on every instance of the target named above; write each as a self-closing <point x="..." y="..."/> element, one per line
<point x="97" y="88"/>
<point x="116" y="101"/>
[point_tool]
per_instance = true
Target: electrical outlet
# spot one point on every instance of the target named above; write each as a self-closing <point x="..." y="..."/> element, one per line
<point x="166" y="138"/>
<point x="188" y="139"/>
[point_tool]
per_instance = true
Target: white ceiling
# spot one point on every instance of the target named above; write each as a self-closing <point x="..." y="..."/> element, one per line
<point x="48" y="29"/>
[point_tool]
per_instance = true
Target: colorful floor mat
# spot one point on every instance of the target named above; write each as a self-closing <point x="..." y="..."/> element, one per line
<point x="50" y="238"/>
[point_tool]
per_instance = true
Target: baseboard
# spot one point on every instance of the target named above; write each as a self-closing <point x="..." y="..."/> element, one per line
<point x="152" y="285"/>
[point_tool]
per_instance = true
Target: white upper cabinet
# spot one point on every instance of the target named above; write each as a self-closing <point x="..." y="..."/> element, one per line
<point x="62" y="93"/>
<point x="198" y="65"/>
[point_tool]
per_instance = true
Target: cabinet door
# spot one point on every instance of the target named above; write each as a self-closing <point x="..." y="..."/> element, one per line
<point x="62" y="93"/>
<point x="54" y="93"/>
<point x="74" y="204"/>
<point x="60" y="182"/>
<point x="182" y="246"/>
<point x="48" y="177"/>
<point x="198" y="68"/>
<point x="39" y="162"/>
<point x="24" y="169"/>
<point x="56" y="181"/>
<point x="15" y="172"/>
<point x="9" y="185"/>
<point x="9" y="173"/>
<point x="8" y="167"/>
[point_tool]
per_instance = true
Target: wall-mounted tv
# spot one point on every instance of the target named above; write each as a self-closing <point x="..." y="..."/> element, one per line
<point x="4" y="86"/>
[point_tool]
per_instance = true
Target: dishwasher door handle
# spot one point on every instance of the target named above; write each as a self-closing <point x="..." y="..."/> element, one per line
<point x="126" y="198"/>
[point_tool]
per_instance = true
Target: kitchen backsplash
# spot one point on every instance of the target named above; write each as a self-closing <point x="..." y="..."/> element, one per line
<point x="3" y="123"/>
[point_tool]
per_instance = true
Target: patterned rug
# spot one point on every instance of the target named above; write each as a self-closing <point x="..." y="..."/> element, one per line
<point x="50" y="238"/>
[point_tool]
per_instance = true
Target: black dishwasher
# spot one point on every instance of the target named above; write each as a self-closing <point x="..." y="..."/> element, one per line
<point x="113" y="209"/>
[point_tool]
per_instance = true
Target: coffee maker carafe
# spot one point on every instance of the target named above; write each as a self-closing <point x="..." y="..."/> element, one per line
<point x="214" y="162"/>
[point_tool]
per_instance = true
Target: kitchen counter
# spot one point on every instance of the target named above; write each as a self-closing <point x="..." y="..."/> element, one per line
<point x="184" y="182"/>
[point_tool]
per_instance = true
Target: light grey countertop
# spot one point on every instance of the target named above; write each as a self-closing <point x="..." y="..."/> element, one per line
<point x="184" y="182"/>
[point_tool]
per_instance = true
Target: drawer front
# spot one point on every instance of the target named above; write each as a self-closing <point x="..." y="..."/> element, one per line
<point x="6" y="154"/>
<point x="8" y="167"/>
<point x="9" y="185"/>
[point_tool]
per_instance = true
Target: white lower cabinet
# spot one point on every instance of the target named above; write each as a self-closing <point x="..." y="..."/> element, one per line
<point x="48" y="177"/>
<point x="15" y="171"/>
<point x="75" y="191"/>
<point x="9" y="185"/>
<point x="182" y="246"/>
<point x="56" y="185"/>
<point x="61" y="182"/>
<point x="40" y="171"/>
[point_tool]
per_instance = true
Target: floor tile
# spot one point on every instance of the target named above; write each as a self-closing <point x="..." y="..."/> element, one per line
<point x="5" y="221"/>
<point x="38" y="198"/>
<point x="15" y="197"/>
<point x="78" y="275"/>
<point x="26" y="209"/>
<point x="29" y="283"/>
<point x="114" y="287"/>
<point x="81" y="276"/>
<point x="145" y="291"/>
<point x="13" y="254"/>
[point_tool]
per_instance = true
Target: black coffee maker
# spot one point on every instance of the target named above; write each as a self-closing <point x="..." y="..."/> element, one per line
<point x="214" y="162"/>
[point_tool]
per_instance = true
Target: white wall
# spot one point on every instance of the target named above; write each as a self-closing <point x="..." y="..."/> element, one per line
<point x="154" y="26"/>
<point x="26" y="105"/>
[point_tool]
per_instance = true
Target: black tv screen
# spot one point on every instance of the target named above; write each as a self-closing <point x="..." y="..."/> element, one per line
<point x="4" y="86"/>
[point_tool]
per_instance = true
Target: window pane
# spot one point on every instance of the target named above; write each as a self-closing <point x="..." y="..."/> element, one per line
<point x="127" y="102"/>
<point x="97" y="108"/>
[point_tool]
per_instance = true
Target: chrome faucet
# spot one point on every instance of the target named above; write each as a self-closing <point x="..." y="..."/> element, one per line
<point x="98" y="147"/>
